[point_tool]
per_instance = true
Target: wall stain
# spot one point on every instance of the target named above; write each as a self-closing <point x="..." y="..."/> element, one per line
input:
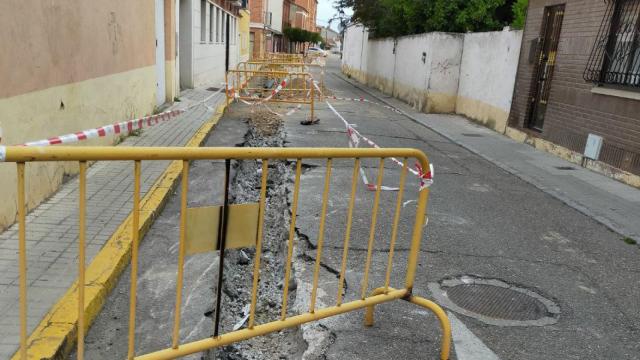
<point x="115" y="32"/>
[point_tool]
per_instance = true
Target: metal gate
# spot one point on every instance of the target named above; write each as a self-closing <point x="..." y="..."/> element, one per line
<point x="546" y="59"/>
<point x="382" y="293"/>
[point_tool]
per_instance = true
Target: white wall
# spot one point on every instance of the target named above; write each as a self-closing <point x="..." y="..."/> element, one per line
<point x="354" y="51"/>
<point x="185" y="41"/>
<point x="209" y="56"/>
<point x="487" y="78"/>
<point x="471" y="74"/>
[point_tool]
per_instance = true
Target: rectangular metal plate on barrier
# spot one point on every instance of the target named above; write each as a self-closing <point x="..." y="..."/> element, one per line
<point x="203" y="226"/>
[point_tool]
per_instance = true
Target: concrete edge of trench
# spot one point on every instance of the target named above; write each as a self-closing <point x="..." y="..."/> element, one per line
<point x="559" y="196"/>
<point x="55" y="335"/>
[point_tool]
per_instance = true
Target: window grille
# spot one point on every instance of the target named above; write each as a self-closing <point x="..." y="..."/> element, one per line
<point x="615" y="58"/>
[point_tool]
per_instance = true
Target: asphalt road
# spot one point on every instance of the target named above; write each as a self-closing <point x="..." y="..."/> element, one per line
<point x="483" y="222"/>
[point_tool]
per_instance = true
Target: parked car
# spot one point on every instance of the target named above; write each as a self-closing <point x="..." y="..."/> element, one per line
<point x="317" y="51"/>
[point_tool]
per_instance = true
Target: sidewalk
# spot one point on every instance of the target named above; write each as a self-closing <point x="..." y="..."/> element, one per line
<point x="614" y="204"/>
<point x="52" y="228"/>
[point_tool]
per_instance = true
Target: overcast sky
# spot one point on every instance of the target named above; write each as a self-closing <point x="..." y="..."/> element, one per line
<point x="326" y="12"/>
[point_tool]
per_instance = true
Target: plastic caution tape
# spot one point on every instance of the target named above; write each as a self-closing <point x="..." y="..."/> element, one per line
<point x="426" y="178"/>
<point x="124" y="127"/>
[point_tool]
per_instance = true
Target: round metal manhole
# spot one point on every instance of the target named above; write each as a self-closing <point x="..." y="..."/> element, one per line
<point x="495" y="302"/>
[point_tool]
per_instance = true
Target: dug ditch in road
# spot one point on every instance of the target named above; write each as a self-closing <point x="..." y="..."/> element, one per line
<point x="107" y="338"/>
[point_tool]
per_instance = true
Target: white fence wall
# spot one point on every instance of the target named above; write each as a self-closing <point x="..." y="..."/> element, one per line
<point x="488" y="75"/>
<point x="354" y="52"/>
<point x="471" y="74"/>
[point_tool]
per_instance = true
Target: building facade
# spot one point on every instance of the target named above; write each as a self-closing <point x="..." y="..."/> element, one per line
<point x="70" y="66"/>
<point x="266" y="27"/>
<point x="299" y="14"/>
<point x="578" y="83"/>
<point x="208" y="41"/>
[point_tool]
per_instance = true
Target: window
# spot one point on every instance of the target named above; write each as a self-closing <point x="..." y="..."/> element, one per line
<point x="615" y="58"/>
<point x="211" y="22"/>
<point x="203" y="20"/>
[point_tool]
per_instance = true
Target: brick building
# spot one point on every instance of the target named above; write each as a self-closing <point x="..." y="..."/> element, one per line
<point x="299" y="14"/>
<point x="579" y="74"/>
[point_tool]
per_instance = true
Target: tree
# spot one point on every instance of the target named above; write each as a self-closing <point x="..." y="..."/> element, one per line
<point x="301" y="36"/>
<point x="519" y="9"/>
<point x="405" y="17"/>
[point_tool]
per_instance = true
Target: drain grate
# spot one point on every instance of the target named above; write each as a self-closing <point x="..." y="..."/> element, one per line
<point x="472" y="135"/>
<point x="565" y="167"/>
<point x="497" y="302"/>
<point x="213" y="89"/>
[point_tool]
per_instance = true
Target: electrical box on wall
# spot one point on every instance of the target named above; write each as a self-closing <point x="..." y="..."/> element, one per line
<point x="592" y="149"/>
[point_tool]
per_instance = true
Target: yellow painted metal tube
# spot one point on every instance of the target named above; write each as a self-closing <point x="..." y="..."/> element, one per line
<point x="256" y="260"/>
<point x="135" y="234"/>
<point x="323" y="213"/>
<point x="268" y="72"/>
<point x="418" y="226"/>
<point x="444" y="322"/>
<point x="372" y="231"/>
<point x="99" y="153"/>
<point x="181" y="253"/>
<point x="347" y="234"/>
<point x="368" y="314"/>
<point x="292" y="234"/>
<point x="82" y="227"/>
<point x="258" y="330"/>
<point x="312" y="103"/>
<point x="22" y="246"/>
<point x="396" y="220"/>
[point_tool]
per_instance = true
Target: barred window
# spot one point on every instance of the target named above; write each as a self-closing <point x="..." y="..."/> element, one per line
<point x="615" y="58"/>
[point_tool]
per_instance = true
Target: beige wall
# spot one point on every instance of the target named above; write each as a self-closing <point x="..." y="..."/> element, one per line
<point x="67" y="66"/>
<point x="49" y="43"/>
<point x="172" y="87"/>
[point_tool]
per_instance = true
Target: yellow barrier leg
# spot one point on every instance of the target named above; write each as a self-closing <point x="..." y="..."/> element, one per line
<point x="368" y="315"/>
<point x="444" y="322"/>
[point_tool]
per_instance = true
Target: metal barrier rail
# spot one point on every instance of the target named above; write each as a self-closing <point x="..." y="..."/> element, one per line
<point x="271" y="65"/>
<point x="298" y="90"/>
<point x="285" y="57"/>
<point x="385" y="293"/>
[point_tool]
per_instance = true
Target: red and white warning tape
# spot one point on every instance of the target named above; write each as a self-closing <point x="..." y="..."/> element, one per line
<point x="118" y="128"/>
<point x="426" y="178"/>
<point x="280" y="86"/>
<point x="124" y="127"/>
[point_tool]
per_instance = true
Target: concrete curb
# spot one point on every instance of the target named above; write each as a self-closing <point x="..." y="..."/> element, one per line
<point x="559" y="196"/>
<point x="55" y="336"/>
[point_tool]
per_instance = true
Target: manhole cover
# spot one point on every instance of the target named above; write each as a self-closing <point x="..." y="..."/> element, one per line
<point x="472" y="135"/>
<point x="213" y="89"/>
<point x="495" y="302"/>
<point x="565" y="168"/>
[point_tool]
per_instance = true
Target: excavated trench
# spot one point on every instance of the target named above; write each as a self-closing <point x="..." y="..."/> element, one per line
<point x="265" y="130"/>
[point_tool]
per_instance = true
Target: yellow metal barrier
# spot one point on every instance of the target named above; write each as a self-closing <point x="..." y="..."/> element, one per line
<point x="257" y="86"/>
<point x="22" y="155"/>
<point x="284" y="57"/>
<point x="316" y="70"/>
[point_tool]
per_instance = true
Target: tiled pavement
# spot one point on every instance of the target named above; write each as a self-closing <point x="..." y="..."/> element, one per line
<point x="52" y="228"/>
